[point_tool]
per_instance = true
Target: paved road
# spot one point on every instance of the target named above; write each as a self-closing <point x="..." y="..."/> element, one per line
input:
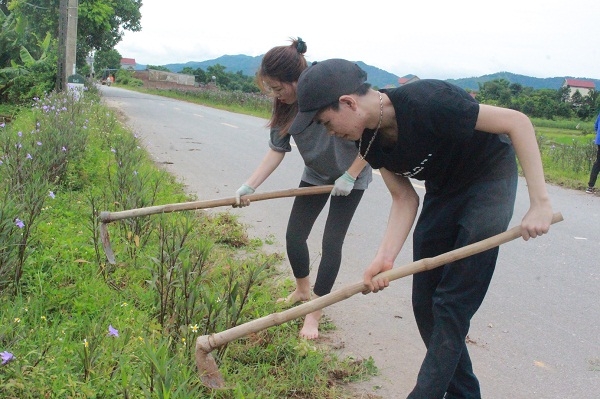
<point x="536" y="334"/>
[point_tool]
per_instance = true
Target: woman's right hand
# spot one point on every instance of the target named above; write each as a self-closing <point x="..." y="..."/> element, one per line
<point x="243" y="190"/>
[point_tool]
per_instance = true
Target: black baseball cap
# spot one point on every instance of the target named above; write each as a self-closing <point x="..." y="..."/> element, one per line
<point x="322" y="84"/>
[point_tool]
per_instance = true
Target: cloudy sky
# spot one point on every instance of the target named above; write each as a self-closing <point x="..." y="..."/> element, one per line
<point x="429" y="38"/>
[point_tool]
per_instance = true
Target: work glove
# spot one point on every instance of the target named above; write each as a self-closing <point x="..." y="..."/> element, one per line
<point x="243" y="190"/>
<point x="343" y="185"/>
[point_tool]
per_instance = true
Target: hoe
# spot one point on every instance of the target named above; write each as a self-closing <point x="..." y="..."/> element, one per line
<point x="107" y="217"/>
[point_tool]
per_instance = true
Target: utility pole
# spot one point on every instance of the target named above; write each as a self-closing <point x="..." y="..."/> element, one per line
<point x="67" y="42"/>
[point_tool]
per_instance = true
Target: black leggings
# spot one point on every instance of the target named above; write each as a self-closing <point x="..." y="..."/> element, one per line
<point x="595" y="170"/>
<point x="305" y="211"/>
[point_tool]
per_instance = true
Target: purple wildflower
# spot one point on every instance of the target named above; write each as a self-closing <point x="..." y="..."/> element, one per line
<point x="2" y="124"/>
<point x="19" y="223"/>
<point x="39" y="143"/>
<point x="64" y="149"/>
<point x="6" y="357"/>
<point x="29" y="156"/>
<point x="113" y="332"/>
<point x="51" y="194"/>
<point x="20" y="134"/>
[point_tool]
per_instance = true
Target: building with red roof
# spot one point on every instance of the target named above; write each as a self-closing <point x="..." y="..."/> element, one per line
<point x="578" y="85"/>
<point x="404" y="80"/>
<point x="128" y="63"/>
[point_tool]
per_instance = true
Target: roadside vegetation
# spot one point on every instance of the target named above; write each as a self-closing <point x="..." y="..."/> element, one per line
<point x="73" y="325"/>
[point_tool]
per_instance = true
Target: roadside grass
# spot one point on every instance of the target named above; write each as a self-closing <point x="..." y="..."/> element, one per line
<point x="568" y="151"/>
<point x="73" y="325"/>
<point x="244" y="103"/>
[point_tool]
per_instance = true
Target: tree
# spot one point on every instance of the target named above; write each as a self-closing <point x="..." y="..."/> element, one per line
<point x="16" y="33"/>
<point x="199" y="74"/>
<point x="100" y="26"/>
<point x="187" y="70"/>
<point x="107" y="59"/>
<point x="564" y="94"/>
<point x="102" y="23"/>
<point x="218" y="72"/>
<point x="158" y="68"/>
<point x="27" y="23"/>
<point x="516" y="89"/>
<point x="27" y="62"/>
<point x="495" y="92"/>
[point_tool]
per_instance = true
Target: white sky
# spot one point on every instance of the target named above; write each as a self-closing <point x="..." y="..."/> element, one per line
<point x="441" y="39"/>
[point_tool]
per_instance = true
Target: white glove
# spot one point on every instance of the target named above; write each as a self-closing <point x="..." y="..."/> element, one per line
<point x="343" y="185"/>
<point x="243" y="190"/>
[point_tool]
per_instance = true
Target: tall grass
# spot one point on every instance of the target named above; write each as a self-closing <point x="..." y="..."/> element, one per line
<point x="235" y="101"/>
<point x="570" y="125"/>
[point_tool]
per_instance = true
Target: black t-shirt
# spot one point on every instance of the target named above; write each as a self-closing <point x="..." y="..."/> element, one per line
<point x="437" y="140"/>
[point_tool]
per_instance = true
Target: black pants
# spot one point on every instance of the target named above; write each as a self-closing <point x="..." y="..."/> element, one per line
<point x="446" y="298"/>
<point x="595" y="170"/>
<point x="305" y="211"/>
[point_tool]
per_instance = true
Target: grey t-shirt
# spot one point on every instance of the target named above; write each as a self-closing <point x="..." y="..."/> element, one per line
<point x="325" y="157"/>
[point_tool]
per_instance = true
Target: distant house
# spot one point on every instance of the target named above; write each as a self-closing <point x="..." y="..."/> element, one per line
<point x="578" y="85"/>
<point x="128" y="63"/>
<point x="404" y="80"/>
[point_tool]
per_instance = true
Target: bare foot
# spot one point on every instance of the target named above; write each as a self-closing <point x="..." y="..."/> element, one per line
<point x="300" y="294"/>
<point x="310" y="329"/>
<point x="295" y="297"/>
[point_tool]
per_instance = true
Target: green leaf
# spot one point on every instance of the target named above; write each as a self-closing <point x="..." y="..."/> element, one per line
<point x="26" y="57"/>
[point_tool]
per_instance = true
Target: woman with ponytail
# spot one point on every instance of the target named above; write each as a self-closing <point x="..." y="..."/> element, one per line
<point x="327" y="159"/>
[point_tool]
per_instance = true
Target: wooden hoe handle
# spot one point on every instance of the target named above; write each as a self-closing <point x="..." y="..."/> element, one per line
<point x="221" y="338"/>
<point x="107" y="217"/>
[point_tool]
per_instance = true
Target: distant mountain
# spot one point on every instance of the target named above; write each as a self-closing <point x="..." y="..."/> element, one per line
<point x="377" y="77"/>
<point x="232" y="63"/>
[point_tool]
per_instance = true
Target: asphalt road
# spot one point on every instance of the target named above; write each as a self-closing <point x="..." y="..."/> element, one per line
<point x="537" y="332"/>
